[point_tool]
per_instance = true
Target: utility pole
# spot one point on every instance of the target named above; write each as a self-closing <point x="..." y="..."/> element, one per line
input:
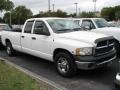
<point x="79" y="11"/>
<point x="76" y="8"/>
<point x="53" y="7"/>
<point x="49" y="6"/>
<point x="94" y="1"/>
<point x="10" y="17"/>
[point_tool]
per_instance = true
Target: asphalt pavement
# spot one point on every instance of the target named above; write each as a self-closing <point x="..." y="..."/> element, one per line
<point x="99" y="79"/>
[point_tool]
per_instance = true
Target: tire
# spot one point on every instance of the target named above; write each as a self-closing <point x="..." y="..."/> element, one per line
<point x="2" y="47"/>
<point x="117" y="86"/>
<point x="9" y="49"/>
<point x="65" y="65"/>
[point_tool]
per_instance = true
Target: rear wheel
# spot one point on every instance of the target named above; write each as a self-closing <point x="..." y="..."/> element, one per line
<point x="65" y="64"/>
<point x="9" y="49"/>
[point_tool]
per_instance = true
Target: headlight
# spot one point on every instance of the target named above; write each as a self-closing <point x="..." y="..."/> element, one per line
<point x="84" y="51"/>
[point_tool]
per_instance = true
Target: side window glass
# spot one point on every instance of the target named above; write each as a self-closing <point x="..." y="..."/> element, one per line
<point x="77" y="21"/>
<point x="28" y="27"/>
<point x="40" y="28"/>
<point x="88" y="23"/>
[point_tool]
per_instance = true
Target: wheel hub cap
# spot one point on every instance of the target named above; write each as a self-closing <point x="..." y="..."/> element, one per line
<point x="63" y="65"/>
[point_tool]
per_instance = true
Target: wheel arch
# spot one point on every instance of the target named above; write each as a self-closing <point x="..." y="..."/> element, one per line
<point x="58" y="50"/>
<point x="7" y="40"/>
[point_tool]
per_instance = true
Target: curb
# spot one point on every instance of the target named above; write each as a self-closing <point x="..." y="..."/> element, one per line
<point x="44" y="83"/>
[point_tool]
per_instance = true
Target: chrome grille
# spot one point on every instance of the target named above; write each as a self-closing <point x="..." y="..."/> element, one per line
<point x="104" y="47"/>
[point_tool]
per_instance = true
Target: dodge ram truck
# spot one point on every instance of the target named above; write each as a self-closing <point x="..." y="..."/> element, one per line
<point x="61" y="41"/>
<point x="100" y="25"/>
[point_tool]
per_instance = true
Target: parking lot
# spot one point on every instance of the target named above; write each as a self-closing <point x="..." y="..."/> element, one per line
<point x="100" y="79"/>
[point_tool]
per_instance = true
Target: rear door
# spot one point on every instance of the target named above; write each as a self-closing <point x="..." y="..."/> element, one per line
<point x="26" y="37"/>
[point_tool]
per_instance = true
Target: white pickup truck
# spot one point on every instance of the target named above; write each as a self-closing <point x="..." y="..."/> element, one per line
<point x="100" y="25"/>
<point x="61" y="41"/>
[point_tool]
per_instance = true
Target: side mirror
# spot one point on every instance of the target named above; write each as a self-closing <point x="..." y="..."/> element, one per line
<point x="86" y="28"/>
<point x="17" y="30"/>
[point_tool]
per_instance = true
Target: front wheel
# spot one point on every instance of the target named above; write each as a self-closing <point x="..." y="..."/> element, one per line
<point x="9" y="49"/>
<point x="65" y="64"/>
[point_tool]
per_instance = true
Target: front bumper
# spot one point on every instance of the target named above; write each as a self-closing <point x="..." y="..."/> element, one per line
<point x="91" y="62"/>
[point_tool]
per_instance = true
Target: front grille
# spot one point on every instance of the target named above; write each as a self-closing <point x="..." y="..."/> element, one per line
<point x="104" y="47"/>
<point x="106" y="58"/>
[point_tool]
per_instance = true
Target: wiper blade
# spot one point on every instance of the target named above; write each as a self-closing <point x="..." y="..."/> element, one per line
<point x="64" y="30"/>
<point x="77" y="29"/>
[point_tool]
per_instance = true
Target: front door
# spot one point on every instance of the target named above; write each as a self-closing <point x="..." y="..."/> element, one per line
<point x="41" y="43"/>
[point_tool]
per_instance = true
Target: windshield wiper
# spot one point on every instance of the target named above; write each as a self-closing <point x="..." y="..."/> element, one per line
<point x="64" y="30"/>
<point x="77" y="29"/>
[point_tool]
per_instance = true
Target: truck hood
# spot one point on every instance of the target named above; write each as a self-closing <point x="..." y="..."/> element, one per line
<point x="83" y="36"/>
<point x="110" y="28"/>
<point x="112" y="31"/>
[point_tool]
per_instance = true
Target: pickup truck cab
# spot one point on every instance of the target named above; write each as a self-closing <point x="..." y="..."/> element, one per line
<point x="100" y="25"/>
<point x="61" y="41"/>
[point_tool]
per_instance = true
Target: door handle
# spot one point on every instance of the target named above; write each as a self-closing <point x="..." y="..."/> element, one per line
<point x="23" y="36"/>
<point x="33" y="38"/>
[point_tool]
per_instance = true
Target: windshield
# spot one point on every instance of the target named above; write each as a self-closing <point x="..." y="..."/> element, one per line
<point x="63" y="25"/>
<point x="101" y="23"/>
<point x="4" y="27"/>
<point x="118" y="25"/>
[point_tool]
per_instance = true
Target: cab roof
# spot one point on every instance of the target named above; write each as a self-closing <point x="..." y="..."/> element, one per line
<point x="86" y="18"/>
<point x="44" y="18"/>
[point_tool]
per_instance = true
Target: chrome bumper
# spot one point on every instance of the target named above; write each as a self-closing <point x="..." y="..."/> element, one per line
<point x="93" y="65"/>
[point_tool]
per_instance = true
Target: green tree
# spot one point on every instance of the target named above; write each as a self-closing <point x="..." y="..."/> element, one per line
<point x="117" y="12"/>
<point x="1" y="20"/>
<point x="6" y="5"/>
<point x="6" y="17"/>
<point x="108" y="13"/>
<point x="58" y="13"/>
<point x="87" y="15"/>
<point x="117" y="15"/>
<point x="18" y="15"/>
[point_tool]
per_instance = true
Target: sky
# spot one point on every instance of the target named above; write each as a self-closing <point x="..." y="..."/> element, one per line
<point x="65" y="5"/>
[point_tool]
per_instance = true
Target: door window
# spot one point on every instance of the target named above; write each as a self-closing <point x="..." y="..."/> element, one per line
<point x="40" y="28"/>
<point x="88" y="23"/>
<point x="28" y="27"/>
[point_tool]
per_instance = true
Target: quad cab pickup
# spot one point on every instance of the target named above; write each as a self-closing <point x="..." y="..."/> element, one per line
<point x="61" y="41"/>
<point x="100" y="25"/>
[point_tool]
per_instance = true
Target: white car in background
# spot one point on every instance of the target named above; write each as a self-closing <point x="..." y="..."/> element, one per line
<point x="100" y="25"/>
<point x="4" y="27"/>
<point x="115" y="24"/>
